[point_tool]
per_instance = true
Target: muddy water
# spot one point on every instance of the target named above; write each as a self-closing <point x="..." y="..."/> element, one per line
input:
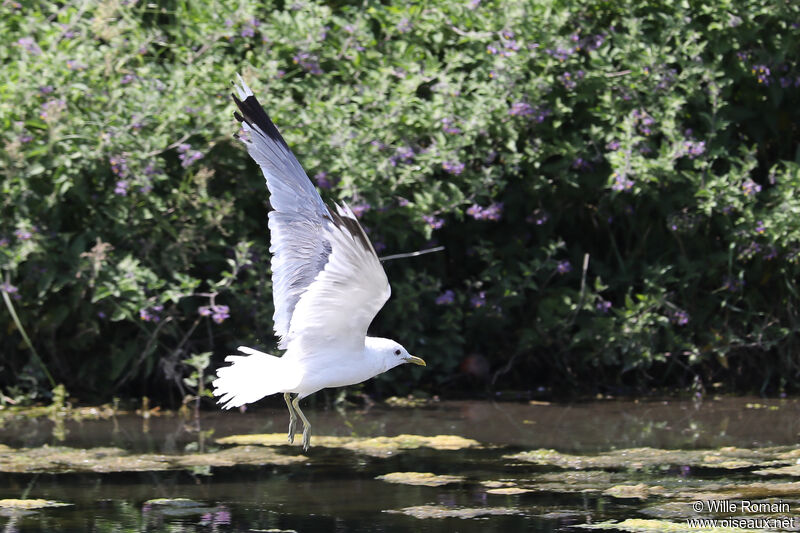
<point x="514" y="467"/>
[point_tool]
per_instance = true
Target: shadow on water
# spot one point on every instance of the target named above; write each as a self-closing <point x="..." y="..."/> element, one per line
<point x="538" y="467"/>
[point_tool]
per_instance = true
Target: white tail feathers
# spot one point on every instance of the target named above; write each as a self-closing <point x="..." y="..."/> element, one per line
<point x="249" y="378"/>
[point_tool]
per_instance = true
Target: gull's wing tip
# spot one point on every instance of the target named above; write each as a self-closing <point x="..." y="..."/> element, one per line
<point x="242" y="88"/>
<point x="250" y="113"/>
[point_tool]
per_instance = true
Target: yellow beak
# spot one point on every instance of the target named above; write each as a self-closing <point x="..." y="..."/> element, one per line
<point x="415" y="360"/>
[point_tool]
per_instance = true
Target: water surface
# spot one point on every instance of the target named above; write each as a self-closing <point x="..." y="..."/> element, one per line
<point x="335" y="489"/>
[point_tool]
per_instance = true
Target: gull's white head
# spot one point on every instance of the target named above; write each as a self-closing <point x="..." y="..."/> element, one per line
<point x="390" y="353"/>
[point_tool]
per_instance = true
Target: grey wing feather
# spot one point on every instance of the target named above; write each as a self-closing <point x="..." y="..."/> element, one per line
<point x="298" y="244"/>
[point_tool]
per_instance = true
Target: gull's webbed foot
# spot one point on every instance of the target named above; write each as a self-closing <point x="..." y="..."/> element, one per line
<point x="292" y="418"/>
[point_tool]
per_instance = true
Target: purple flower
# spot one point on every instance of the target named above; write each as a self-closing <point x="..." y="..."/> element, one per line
<point x="679" y="317"/>
<point x="478" y="300"/>
<point x="520" y="109"/>
<point x="581" y="164"/>
<point x="25" y="138"/>
<point x="569" y="80"/>
<point x="127" y="78"/>
<point x="750" y="187"/>
<point x="403" y="154"/>
<point x="621" y="182"/>
<point x="491" y="49"/>
<point x="404" y="25"/>
<point x="8" y="288"/>
<point x="561" y="53"/>
<point x="762" y="73"/>
<point x="379" y="246"/>
<point x="23" y="234"/>
<point x="46" y="89"/>
<point x="731" y="284"/>
<point x="433" y="221"/>
<point x="446" y="298"/>
<point x="29" y="45"/>
<point x="473" y="4"/>
<point x="121" y="188"/>
<point x="308" y="62"/>
<point x="563" y="267"/>
<point x="750" y="250"/>
<point x="204" y="310"/>
<point x="594" y="42"/>
<point x="360" y="208"/>
<point x="694" y="148"/>
<point x="3" y="241"/>
<point x="760" y="227"/>
<point x="75" y="65"/>
<point x="453" y="167"/>
<point x="603" y="306"/>
<point x="52" y="108"/>
<point x="220" y="313"/>
<point x="322" y="180"/>
<point x="119" y="165"/>
<point x="402" y="202"/>
<point x="149" y="315"/>
<point x="448" y="127"/>
<point x="492" y="212"/>
<point x="152" y="170"/>
<point x="187" y="155"/>
<point x="247" y="32"/>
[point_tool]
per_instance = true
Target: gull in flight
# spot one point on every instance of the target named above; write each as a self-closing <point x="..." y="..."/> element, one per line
<point x="327" y="284"/>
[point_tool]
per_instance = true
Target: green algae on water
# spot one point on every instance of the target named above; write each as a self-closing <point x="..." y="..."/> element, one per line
<point x="426" y="479"/>
<point x="640" y="491"/>
<point x="30" y="504"/>
<point x="639" y="525"/>
<point x="440" y="511"/>
<point x="728" y="458"/>
<point x="62" y="459"/>
<point x="508" y="491"/>
<point x="173" y="502"/>
<point x="374" y="446"/>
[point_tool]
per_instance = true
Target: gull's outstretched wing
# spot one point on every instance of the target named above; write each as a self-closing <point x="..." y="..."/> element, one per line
<point x="328" y="283"/>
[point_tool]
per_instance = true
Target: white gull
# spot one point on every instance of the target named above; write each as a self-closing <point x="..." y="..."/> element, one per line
<point x="327" y="284"/>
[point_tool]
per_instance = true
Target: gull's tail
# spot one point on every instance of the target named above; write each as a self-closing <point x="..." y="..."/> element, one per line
<point x="249" y="378"/>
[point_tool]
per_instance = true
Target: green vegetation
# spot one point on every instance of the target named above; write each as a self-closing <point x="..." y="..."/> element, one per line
<point x="614" y="183"/>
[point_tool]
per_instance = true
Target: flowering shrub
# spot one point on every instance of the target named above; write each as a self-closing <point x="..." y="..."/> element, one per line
<point x="614" y="184"/>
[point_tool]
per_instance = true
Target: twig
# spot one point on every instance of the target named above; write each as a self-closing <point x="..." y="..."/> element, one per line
<point x="412" y="254"/>
<point x="618" y="74"/>
<point x="583" y="289"/>
<point x="170" y="147"/>
<point x="25" y="337"/>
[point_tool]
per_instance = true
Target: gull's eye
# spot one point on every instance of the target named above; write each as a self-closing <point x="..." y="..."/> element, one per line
<point x="397" y="352"/>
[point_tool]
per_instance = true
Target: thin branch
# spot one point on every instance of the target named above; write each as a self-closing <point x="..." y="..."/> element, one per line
<point x="583" y="289"/>
<point x="618" y="74"/>
<point x="25" y="337"/>
<point x="412" y="254"/>
<point x="170" y="147"/>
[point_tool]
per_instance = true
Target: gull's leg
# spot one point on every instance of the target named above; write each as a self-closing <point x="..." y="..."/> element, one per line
<point x="287" y="397"/>
<point x="306" y="424"/>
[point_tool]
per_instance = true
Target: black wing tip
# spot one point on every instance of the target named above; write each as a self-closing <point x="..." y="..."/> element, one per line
<point x="251" y="112"/>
